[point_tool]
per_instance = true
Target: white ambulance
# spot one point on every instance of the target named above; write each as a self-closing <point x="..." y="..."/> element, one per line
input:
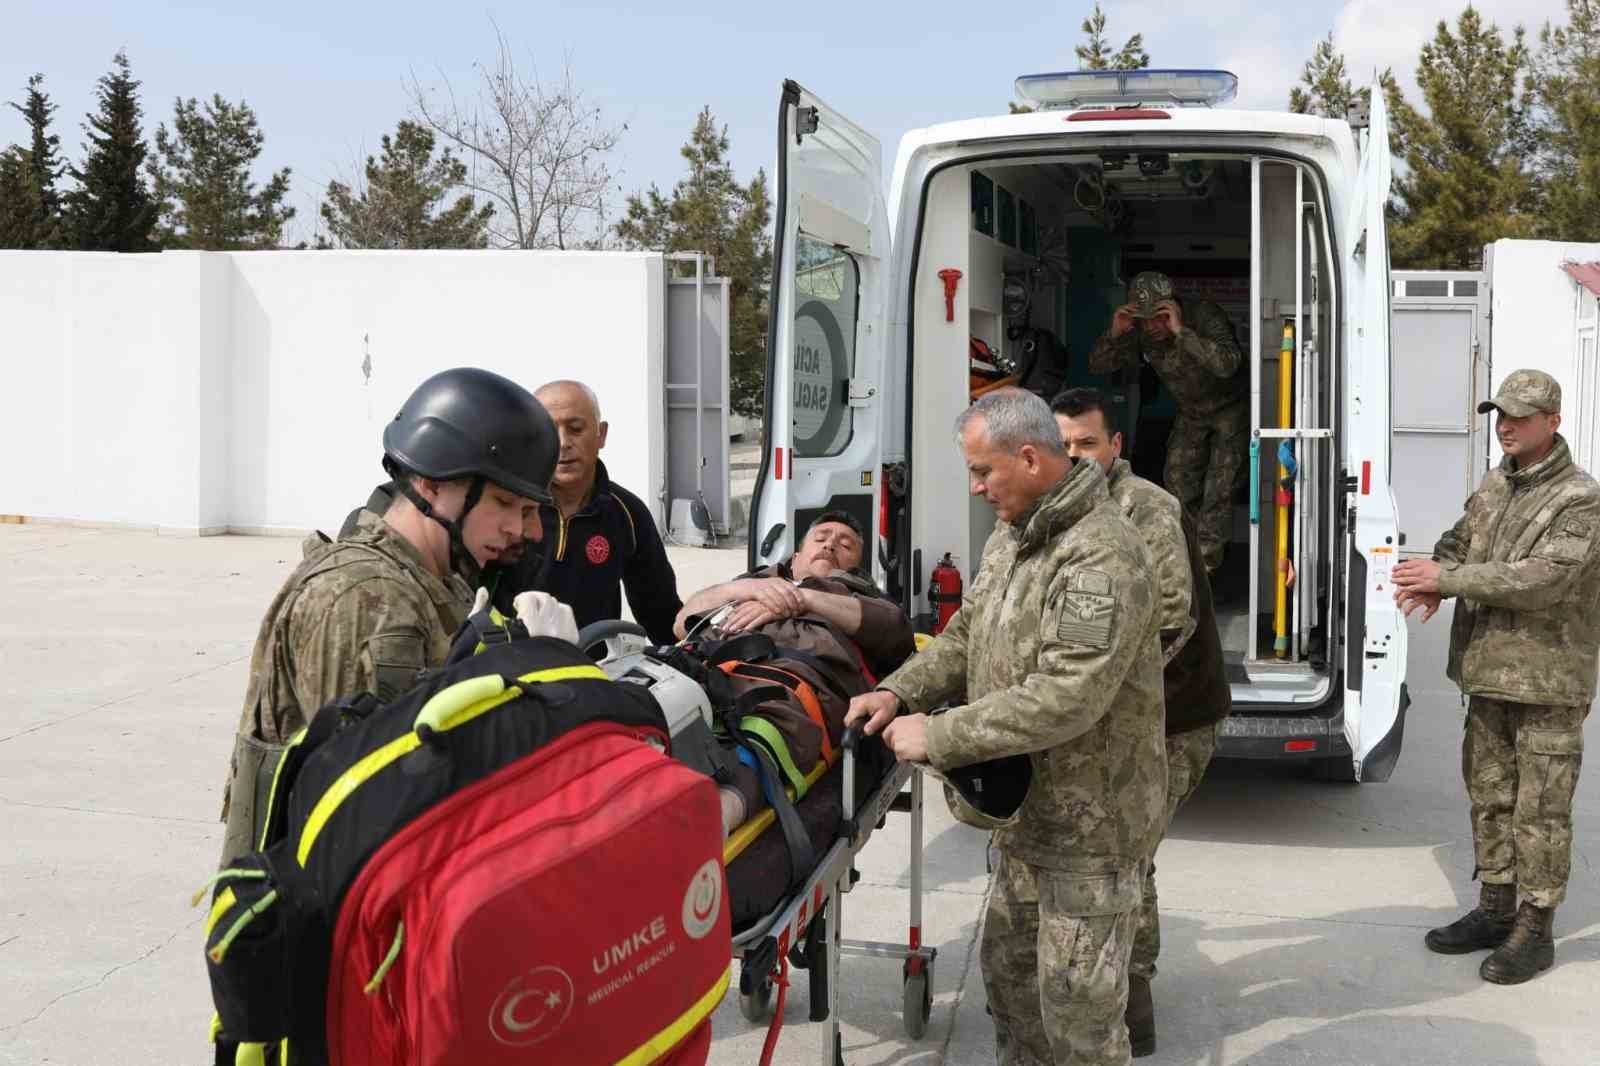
<point x="999" y="257"/>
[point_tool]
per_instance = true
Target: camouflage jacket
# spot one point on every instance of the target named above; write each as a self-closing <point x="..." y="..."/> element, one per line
<point x="1055" y="649"/>
<point x="1524" y="567"/>
<point x="1202" y="366"/>
<point x="362" y="614"/>
<point x="1158" y="516"/>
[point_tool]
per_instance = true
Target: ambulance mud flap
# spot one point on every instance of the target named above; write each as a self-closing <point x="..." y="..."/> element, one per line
<point x="1380" y="764"/>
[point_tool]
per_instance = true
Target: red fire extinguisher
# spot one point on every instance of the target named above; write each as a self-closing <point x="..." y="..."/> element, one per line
<point x="944" y="592"/>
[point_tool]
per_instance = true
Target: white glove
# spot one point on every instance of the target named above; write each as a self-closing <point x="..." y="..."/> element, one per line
<point x="542" y="615"/>
<point x="480" y="601"/>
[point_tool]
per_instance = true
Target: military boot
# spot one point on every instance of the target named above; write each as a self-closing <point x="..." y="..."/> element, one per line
<point x="1529" y="950"/>
<point x="1141" y="1017"/>
<point x="1485" y="926"/>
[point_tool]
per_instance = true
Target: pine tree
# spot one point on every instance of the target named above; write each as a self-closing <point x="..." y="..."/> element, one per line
<point x="19" y="200"/>
<point x="1566" y="85"/>
<point x="201" y="177"/>
<point x="1466" y="179"/>
<point x="1327" y="91"/>
<point x="1097" y="54"/>
<point x="709" y="211"/>
<point x="403" y="201"/>
<point x="112" y="209"/>
<point x="44" y="230"/>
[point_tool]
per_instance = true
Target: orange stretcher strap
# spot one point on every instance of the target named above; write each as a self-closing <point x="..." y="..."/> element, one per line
<point x="797" y="685"/>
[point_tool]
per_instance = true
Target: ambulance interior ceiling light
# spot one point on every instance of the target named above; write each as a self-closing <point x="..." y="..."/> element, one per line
<point x="1127" y="88"/>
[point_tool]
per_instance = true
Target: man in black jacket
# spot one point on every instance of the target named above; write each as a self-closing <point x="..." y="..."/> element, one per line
<point x="595" y="541"/>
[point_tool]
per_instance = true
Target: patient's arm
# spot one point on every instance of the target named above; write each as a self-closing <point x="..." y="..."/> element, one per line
<point x="780" y="597"/>
<point x="843" y="611"/>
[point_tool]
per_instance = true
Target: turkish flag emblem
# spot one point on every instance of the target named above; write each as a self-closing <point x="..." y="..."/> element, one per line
<point x="598" y="549"/>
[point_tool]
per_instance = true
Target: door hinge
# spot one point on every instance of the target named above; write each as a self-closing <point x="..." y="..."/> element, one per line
<point x="805" y="121"/>
<point x="1350" y="522"/>
<point x="860" y="392"/>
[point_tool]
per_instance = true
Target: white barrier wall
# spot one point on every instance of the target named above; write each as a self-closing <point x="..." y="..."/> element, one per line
<point x="1534" y="323"/>
<point x="204" y="392"/>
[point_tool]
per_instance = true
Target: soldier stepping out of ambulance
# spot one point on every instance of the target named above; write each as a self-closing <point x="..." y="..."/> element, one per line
<point x="1193" y="351"/>
<point x="1524" y="569"/>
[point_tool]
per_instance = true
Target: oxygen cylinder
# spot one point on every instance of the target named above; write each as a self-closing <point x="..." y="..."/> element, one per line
<point x="944" y="592"/>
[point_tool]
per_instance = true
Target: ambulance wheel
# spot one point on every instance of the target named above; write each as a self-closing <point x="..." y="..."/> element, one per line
<point x="611" y="638"/>
<point x="757" y="1005"/>
<point x="917" y="1002"/>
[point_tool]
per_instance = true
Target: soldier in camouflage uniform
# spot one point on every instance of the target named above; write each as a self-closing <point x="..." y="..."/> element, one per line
<point x="473" y="455"/>
<point x="1054" y="655"/>
<point x="1194" y="352"/>
<point x="1524" y="567"/>
<point x="1197" y="692"/>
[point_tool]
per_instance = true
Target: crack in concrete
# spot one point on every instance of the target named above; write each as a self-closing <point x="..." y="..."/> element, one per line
<point x="95" y="810"/>
<point x="123" y="699"/>
<point x="97" y="982"/>
<point x="966" y="973"/>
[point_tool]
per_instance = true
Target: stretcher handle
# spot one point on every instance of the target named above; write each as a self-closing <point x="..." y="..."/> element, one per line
<point x="850" y="742"/>
<point x="446" y="704"/>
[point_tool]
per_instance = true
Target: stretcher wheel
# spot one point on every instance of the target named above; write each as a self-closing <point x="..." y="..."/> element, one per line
<point x="758" y="1004"/>
<point x="917" y="1002"/>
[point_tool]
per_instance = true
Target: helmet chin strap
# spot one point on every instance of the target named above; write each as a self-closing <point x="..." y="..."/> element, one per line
<point x="461" y="560"/>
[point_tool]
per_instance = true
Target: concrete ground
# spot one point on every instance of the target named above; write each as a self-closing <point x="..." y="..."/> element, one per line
<point x="1294" y="910"/>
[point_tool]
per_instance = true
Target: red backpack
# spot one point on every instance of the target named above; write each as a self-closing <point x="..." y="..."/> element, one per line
<point x="500" y="867"/>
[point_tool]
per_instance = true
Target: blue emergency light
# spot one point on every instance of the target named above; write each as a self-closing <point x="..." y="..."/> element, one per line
<point x="1120" y="88"/>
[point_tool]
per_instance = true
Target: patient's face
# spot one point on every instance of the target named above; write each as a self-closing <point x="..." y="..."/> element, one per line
<point x="829" y="546"/>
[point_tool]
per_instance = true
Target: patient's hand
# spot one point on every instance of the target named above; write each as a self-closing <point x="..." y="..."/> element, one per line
<point x="780" y="597"/>
<point x="747" y="616"/>
<point x="878" y="708"/>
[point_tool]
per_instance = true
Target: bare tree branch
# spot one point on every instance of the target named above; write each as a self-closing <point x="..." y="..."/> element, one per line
<point x="538" y="153"/>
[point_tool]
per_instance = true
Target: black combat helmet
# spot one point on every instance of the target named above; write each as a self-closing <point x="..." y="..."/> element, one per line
<point x="471" y="423"/>
<point x="468" y="422"/>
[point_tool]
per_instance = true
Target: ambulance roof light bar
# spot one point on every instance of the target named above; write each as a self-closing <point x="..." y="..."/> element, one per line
<point x="1125" y="88"/>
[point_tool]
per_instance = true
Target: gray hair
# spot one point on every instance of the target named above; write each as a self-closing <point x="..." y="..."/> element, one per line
<point x="1013" y="417"/>
<point x="588" y="393"/>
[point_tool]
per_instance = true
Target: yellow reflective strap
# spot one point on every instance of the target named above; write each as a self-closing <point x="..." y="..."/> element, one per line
<point x="277" y="775"/>
<point x="216" y="1026"/>
<point x="250" y="1055"/>
<point x="218" y="908"/>
<point x="375" y="761"/>
<point x="682" y="1026"/>
<point x="778" y="748"/>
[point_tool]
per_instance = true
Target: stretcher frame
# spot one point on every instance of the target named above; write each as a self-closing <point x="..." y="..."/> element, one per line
<point x="788" y="933"/>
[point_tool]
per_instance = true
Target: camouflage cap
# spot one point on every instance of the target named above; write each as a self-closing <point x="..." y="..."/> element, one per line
<point x="1523" y="393"/>
<point x="1148" y="289"/>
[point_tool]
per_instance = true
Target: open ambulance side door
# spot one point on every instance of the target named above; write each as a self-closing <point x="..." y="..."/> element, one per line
<point x="1374" y="630"/>
<point x="825" y="338"/>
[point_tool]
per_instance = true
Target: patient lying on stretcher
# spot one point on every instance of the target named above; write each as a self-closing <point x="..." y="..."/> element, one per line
<point x="834" y="636"/>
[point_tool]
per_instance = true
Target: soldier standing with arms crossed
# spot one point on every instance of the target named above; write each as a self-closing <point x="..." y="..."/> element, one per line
<point x="1523" y="566"/>
<point x="1195" y="679"/>
<point x="1056" y="657"/>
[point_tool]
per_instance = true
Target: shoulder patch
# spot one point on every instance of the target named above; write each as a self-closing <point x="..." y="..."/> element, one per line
<point x="1086" y="611"/>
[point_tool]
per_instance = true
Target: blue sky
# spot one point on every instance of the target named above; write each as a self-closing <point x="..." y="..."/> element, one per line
<point x="327" y="80"/>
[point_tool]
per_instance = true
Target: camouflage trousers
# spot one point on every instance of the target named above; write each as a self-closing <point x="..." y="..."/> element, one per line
<point x="1206" y="460"/>
<point x="1188" y="755"/>
<point x="1521" y="763"/>
<point x="1055" y="964"/>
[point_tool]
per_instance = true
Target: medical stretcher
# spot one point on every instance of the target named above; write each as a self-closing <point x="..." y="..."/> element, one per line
<point x="777" y="926"/>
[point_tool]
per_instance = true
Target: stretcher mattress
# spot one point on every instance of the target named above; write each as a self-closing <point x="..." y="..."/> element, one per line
<point x="759" y="876"/>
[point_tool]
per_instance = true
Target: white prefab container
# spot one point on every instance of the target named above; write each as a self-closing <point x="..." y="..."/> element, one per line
<point x="1039" y="220"/>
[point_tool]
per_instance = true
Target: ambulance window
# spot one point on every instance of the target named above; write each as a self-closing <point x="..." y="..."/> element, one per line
<point x="827" y="287"/>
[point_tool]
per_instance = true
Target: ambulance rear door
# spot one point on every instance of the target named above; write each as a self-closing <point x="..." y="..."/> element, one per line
<point x="825" y="342"/>
<point x="1374" y="631"/>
